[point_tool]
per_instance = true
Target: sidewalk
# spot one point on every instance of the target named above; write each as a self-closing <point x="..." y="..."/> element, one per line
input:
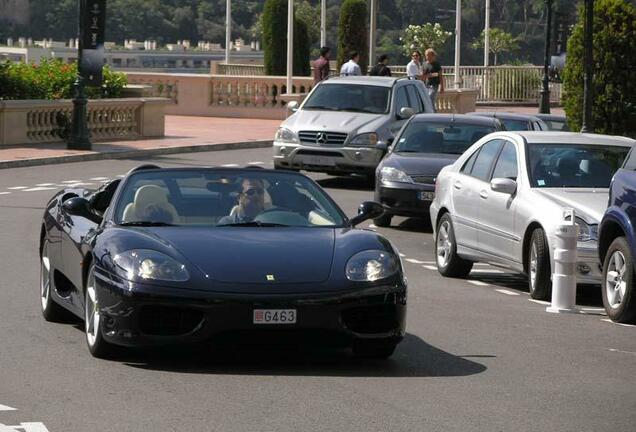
<point x="183" y="134"/>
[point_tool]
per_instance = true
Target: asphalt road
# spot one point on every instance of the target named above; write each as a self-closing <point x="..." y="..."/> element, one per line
<point x="479" y="356"/>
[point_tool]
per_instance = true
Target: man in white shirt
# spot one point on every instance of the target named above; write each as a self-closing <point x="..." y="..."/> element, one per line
<point x="414" y="68"/>
<point x="351" y="67"/>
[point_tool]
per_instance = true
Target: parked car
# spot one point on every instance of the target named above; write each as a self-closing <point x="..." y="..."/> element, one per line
<point x="554" y="122"/>
<point x="502" y="200"/>
<point x="338" y="127"/>
<point x="617" y="245"/>
<point x="167" y="256"/>
<point x="516" y="122"/>
<point x="405" y="179"/>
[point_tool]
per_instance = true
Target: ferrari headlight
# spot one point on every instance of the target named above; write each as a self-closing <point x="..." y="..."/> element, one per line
<point x="586" y="232"/>
<point x="287" y="136"/>
<point x="146" y="264"/>
<point x="365" y="139"/>
<point x="391" y="174"/>
<point x="371" y="265"/>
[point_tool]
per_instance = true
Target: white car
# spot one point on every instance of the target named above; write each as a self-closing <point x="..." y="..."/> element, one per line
<point x="501" y="201"/>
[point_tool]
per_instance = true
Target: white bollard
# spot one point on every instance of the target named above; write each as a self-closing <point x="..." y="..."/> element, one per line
<point x="564" y="275"/>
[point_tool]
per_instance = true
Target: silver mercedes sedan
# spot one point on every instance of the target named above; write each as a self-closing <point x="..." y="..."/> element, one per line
<point x="502" y="200"/>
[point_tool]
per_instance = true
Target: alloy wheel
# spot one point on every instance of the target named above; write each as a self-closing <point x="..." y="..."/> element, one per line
<point x="45" y="278"/>
<point x="92" y="310"/>
<point x="443" y="244"/>
<point x="615" y="285"/>
<point x="533" y="265"/>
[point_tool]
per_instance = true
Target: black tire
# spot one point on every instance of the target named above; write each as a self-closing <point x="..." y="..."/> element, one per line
<point x="97" y="346"/>
<point x="623" y="309"/>
<point x="51" y="311"/>
<point x="453" y="266"/>
<point x="539" y="285"/>
<point x="373" y="350"/>
<point x="383" y="221"/>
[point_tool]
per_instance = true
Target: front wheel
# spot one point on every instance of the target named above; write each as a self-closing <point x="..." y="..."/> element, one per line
<point x="539" y="280"/>
<point x="618" y="282"/>
<point x="97" y="346"/>
<point x="449" y="264"/>
<point x="51" y="311"/>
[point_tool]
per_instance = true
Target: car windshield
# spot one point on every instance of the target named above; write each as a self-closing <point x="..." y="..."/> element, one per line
<point x="440" y="137"/>
<point x="236" y="198"/>
<point x="349" y="97"/>
<point x="574" y="165"/>
<point x="515" y="125"/>
<point x="557" y="125"/>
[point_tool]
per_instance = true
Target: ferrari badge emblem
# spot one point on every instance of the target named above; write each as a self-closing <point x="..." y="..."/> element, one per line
<point x="271" y="278"/>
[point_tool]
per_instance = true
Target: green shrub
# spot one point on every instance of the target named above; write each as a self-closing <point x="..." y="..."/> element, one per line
<point x="52" y="79"/>
<point x="614" y="83"/>
<point x="352" y="32"/>
<point x="275" y="37"/>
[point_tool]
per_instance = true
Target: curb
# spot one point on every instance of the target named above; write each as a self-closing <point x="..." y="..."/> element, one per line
<point x="125" y="154"/>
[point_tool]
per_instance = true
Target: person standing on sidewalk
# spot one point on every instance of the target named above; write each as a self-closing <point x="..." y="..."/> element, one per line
<point x="414" y="68"/>
<point x="351" y="67"/>
<point x="321" y="65"/>
<point x="381" y="69"/>
<point x="434" y="78"/>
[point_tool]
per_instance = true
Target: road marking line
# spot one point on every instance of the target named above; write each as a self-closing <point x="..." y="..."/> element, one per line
<point x="620" y="324"/>
<point x="541" y="302"/>
<point x="414" y="261"/>
<point x="621" y="351"/>
<point x="372" y="226"/>
<point x="25" y="427"/>
<point x="507" y="292"/>
<point x="80" y="184"/>
<point x="256" y="163"/>
<point x="428" y="262"/>
<point x="45" y="184"/>
<point x="99" y="178"/>
<point x="5" y="193"/>
<point x="7" y="408"/>
<point x="70" y="181"/>
<point x="18" y="187"/>
<point x="486" y="271"/>
<point x="36" y="189"/>
<point x="402" y="255"/>
<point x="592" y="310"/>
<point x="478" y="283"/>
<point x="430" y="267"/>
<point x="121" y="175"/>
<point x="230" y="165"/>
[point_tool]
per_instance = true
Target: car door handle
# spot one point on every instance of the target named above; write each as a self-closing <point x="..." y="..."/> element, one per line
<point x="483" y="194"/>
<point x="457" y="185"/>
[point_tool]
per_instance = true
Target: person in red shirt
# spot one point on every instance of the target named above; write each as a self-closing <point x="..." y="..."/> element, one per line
<point x="321" y="65"/>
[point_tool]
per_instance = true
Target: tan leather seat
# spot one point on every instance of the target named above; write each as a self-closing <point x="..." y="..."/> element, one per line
<point x="145" y="197"/>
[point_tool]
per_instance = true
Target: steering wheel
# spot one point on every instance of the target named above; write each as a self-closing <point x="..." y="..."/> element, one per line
<point x="281" y="215"/>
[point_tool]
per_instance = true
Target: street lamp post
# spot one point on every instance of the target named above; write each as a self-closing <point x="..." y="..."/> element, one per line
<point x="588" y="58"/>
<point x="228" y="30"/>
<point x="79" y="137"/>
<point x="372" y="31"/>
<point x="323" y="23"/>
<point x="458" y="37"/>
<point x="544" y="108"/>
<point x="290" y="46"/>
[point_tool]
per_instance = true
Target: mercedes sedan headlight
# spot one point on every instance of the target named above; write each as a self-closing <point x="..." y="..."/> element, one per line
<point x="287" y="136"/>
<point x="146" y="264"/>
<point x="365" y="139"/>
<point x="587" y="232"/>
<point x="372" y="265"/>
<point x="391" y="174"/>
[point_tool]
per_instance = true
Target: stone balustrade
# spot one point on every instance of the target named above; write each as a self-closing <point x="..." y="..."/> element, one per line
<point x="261" y="97"/>
<point x="49" y="121"/>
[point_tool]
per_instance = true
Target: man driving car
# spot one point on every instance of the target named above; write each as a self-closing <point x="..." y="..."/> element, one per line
<point x="251" y="202"/>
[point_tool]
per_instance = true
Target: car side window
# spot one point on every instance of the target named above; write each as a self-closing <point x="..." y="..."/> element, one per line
<point x="485" y="159"/>
<point x="468" y="166"/>
<point x="630" y="162"/>
<point x="416" y="102"/>
<point x="401" y="99"/>
<point x="506" y="166"/>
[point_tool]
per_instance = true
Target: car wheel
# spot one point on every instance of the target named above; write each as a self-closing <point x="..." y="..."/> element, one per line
<point x="51" y="311"/>
<point x="618" y="282"/>
<point x="373" y="350"/>
<point x="383" y="221"/>
<point x="97" y="346"/>
<point x="449" y="264"/>
<point x="539" y="280"/>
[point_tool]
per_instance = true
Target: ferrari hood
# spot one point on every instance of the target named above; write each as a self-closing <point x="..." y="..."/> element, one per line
<point x="255" y="255"/>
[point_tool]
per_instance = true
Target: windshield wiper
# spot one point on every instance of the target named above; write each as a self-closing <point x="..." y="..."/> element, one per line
<point x="146" y="224"/>
<point x="253" y="224"/>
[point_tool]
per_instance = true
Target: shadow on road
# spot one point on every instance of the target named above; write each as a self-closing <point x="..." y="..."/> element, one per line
<point x="414" y="224"/>
<point x="351" y="183"/>
<point x="412" y="358"/>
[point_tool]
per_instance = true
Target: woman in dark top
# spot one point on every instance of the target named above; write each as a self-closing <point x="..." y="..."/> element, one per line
<point x="381" y="69"/>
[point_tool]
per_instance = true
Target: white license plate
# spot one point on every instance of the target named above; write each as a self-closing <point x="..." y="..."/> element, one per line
<point x="316" y="160"/>
<point x="426" y="196"/>
<point x="275" y="316"/>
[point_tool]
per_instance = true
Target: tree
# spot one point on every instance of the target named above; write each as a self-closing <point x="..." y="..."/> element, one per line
<point x="275" y="37"/>
<point x="423" y="37"/>
<point x="614" y="83"/>
<point x="302" y="49"/>
<point x="500" y="42"/>
<point x="352" y="32"/>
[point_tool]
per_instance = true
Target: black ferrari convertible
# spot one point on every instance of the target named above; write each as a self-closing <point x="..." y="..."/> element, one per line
<point x="167" y="256"/>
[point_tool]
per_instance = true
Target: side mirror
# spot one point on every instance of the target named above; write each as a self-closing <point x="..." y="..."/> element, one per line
<point x="367" y="210"/>
<point x="504" y="185"/>
<point x="406" y="113"/>
<point x="382" y="146"/>
<point x="79" y="206"/>
<point x="292" y="106"/>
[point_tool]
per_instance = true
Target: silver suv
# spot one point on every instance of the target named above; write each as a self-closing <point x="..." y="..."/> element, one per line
<point x="345" y="124"/>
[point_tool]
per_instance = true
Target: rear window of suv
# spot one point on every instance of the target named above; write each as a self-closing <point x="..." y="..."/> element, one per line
<point x="350" y="97"/>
